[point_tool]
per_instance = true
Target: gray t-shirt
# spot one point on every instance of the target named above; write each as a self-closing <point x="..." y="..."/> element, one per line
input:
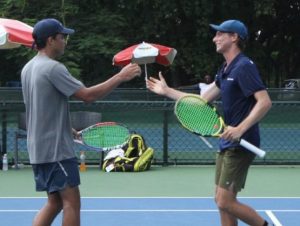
<point x="47" y="86"/>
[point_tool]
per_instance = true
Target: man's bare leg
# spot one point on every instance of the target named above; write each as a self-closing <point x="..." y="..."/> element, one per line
<point x="231" y="209"/>
<point x="48" y="213"/>
<point x="71" y="206"/>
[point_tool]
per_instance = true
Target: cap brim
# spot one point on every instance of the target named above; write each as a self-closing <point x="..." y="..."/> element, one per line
<point x="217" y="28"/>
<point x="67" y="31"/>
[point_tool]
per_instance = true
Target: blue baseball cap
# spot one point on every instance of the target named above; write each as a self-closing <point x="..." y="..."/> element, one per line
<point x="232" y="26"/>
<point x="49" y="27"/>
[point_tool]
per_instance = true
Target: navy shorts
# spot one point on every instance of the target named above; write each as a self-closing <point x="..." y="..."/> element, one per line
<point x="55" y="176"/>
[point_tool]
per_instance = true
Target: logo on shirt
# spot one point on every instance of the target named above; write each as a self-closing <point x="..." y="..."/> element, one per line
<point x="230" y="79"/>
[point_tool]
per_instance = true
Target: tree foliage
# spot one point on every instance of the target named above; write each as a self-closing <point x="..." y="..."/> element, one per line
<point x="104" y="27"/>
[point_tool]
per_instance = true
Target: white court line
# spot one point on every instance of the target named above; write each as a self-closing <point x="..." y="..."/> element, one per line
<point x="154" y="197"/>
<point x="273" y="218"/>
<point x="269" y="212"/>
<point x="121" y="210"/>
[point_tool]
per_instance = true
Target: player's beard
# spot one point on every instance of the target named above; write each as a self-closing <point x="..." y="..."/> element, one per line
<point x="59" y="52"/>
<point x="222" y="47"/>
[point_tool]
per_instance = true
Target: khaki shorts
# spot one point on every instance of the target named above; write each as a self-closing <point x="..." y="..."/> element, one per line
<point x="232" y="168"/>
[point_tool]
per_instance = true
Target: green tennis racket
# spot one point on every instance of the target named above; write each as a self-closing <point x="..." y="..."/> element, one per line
<point x="201" y="118"/>
<point x="104" y="136"/>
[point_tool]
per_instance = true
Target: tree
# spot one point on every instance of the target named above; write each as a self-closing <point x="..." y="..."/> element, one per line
<point x="104" y="27"/>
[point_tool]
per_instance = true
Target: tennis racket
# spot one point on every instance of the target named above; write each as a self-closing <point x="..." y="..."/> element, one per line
<point x="201" y="118"/>
<point x="104" y="136"/>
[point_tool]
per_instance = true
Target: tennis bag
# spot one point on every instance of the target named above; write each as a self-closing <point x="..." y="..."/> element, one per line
<point x="137" y="157"/>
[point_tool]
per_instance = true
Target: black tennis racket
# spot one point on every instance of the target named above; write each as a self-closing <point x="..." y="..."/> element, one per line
<point x="201" y="118"/>
<point x="104" y="136"/>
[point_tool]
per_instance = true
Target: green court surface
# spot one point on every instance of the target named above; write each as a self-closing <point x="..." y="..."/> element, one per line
<point x="171" y="181"/>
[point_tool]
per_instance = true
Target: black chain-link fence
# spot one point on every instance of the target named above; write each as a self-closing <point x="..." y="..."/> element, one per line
<point x="152" y="116"/>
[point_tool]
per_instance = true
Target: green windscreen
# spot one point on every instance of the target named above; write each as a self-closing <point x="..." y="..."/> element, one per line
<point x="105" y="136"/>
<point x="197" y="116"/>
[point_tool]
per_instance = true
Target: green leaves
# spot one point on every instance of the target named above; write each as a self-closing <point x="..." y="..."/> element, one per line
<point x="105" y="27"/>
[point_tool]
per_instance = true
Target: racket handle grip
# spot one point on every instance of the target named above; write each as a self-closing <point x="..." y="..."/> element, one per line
<point x="259" y="152"/>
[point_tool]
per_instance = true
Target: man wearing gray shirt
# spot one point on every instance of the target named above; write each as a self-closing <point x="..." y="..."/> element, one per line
<point x="47" y="86"/>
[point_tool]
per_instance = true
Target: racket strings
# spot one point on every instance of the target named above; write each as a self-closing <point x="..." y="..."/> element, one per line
<point x="198" y="117"/>
<point x="105" y="136"/>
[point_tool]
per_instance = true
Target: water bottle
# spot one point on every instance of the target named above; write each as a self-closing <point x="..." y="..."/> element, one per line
<point x="82" y="167"/>
<point x="4" y="163"/>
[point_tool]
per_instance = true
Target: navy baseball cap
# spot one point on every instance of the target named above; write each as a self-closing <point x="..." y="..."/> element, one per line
<point x="232" y="26"/>
<point x="49" y="27"/>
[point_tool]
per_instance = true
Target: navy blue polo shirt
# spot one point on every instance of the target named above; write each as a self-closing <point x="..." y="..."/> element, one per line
<point x="238" y="83"/>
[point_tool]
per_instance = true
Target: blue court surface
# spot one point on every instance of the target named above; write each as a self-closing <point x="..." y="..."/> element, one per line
<point x="150" y="211"/>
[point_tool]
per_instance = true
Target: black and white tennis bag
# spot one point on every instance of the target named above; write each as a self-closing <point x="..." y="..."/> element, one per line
<point x="135" y="156"/>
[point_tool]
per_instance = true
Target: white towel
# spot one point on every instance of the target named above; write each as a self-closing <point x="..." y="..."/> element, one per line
<point x="119" y="152"/>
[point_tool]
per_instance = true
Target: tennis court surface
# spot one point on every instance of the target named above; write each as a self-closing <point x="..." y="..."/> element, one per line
<point x="163" y="196"/>
<point x="173" y="211"/>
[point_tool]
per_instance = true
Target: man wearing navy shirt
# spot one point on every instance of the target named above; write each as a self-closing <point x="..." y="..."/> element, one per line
<point x="244" y="101"/>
